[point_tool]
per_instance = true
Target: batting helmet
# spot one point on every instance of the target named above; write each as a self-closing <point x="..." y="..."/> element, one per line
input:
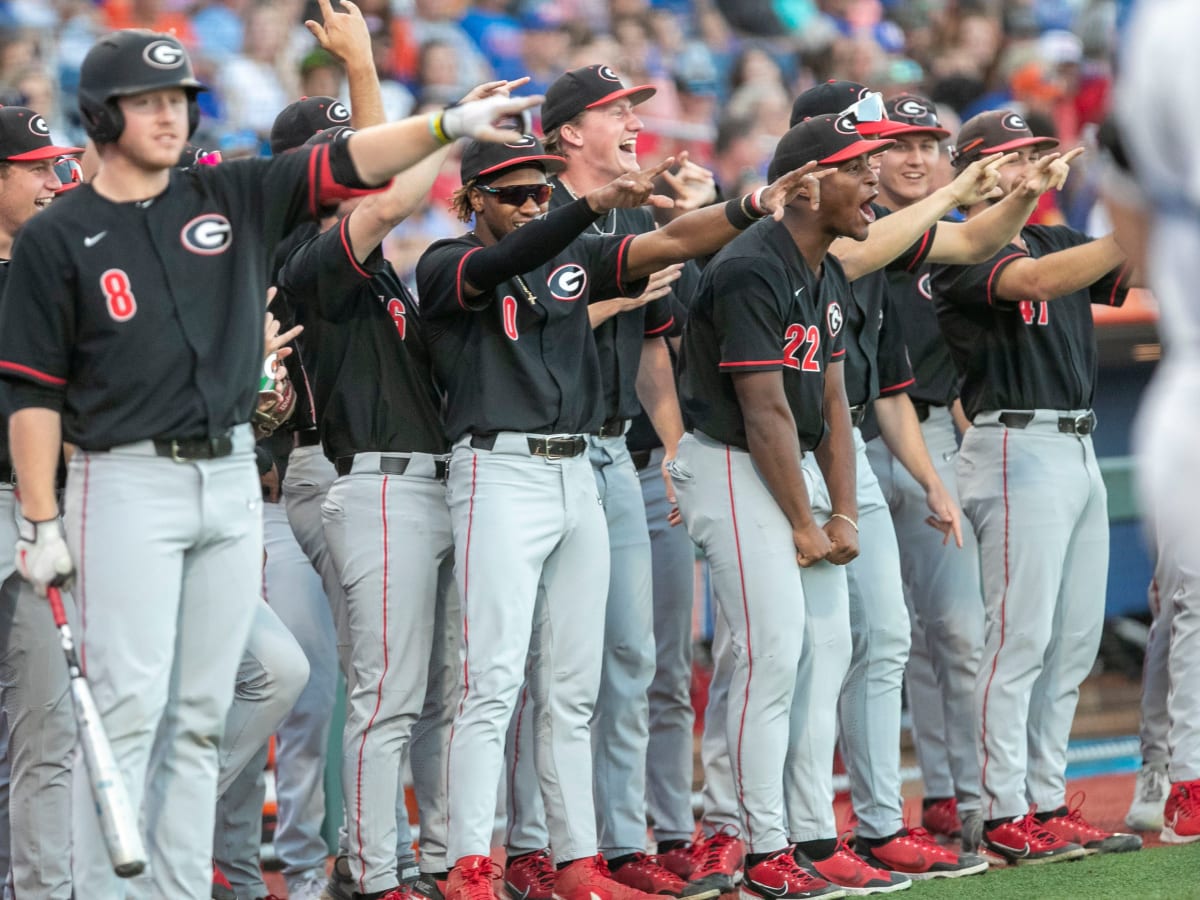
<point x="132" y="62"/>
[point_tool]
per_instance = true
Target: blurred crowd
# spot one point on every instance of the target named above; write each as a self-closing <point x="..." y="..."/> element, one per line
<point x="726" y="70"/>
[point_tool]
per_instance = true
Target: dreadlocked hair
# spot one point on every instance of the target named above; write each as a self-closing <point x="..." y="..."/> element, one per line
<point x="460" y="202"/>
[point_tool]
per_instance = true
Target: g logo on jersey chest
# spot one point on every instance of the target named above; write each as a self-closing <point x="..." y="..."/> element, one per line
<point x="207" y="235"/>
<point x="568" y="282"/>
<point x="833" y="314"/>
<point x="163" y="55"/>
<point x="924" y="288"/>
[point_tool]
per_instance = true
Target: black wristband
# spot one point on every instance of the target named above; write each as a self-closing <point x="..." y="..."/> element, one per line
<point x="737" y="212"/>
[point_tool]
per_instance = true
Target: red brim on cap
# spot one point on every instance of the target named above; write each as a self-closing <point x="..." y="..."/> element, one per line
<point x="43" y="153"/>
<point x="550" y="163"/>
<point x="858" y="148"/>
<point x="636" y="95"/>
<point x="899" y="128"/>
<point x="1018" y="143"/>
<point x="871" y="129"/>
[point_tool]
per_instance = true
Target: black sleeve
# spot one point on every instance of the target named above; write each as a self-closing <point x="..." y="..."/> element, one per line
<point x="747" y="303"/>
<point x="660" y="317"/>
<point x="37" y="312"/>
<point x="607" y="266"/>
<point x="973" y="285"/>
<point x="526" y="248"/>
<point x="1113" y="288"/>
<point x="322" y="274"/>
<point x="910" y="259"/>
<point x="895" y="369"/>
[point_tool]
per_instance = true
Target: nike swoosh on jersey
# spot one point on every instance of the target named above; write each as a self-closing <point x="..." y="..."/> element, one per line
<point x="93" y="239"/>
<point x="798" y="292"/>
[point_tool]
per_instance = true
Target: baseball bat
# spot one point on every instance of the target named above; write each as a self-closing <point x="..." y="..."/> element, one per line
<point x="118" y="819"/>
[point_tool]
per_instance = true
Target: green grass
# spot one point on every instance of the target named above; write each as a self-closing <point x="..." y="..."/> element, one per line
<point x="1161" y="872"/>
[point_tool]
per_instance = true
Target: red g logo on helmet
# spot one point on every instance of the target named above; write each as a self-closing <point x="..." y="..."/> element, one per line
<point x="164" y="55"/>
<point x="207" y="235"/>
<point x="833" y="314"/>
<point x="38" y="126"/>
<point x="337" y="112"/>
<point x="607" y="74"/>
<point x="568" y="282"/>
<point x="1014" y="122"/>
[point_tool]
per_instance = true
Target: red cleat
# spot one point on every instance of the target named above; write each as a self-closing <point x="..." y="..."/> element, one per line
<point x="919" y="856"/>
<point x="1181" y="818"/>
<point x="589" y="879"/>
<point x="221" y="888"/>
<point x="941" y="817"/>
<point x="853" y="874"/>
<point x="1025" y="841"/>
<point x="680" y="860"/>
<point x="719" y="859"/>
<point x="530" y="877"/>
<point x="472" y="878"/>
<point x="648" y="874"/>
<point x="1070" y="825"/>
<point x="780" y="877"/>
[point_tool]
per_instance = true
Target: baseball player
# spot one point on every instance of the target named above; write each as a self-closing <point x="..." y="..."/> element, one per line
<point x="385" y="517"/>
<point x="163" y="505"/>
<point x="37" y="728"/>
<point x="507" y="311"/>
<point x="753" y="413"/>
<point x="1020" y="330"/>
<point x="1166" y="172"/>
<point x="1153" y="784"/>
<point x="589" y="119"/>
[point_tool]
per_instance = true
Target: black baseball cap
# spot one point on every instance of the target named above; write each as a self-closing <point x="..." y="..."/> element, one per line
<point x="829" y="140"/>
<point x="24" y="135"/>
<point x="482" y="158"/>
<point x="586" y="88"/>
<point x="299" y="121"/>
<point x="829" y="98"/>
<point x="996" y="131"/>
<point x="913" y="114"/>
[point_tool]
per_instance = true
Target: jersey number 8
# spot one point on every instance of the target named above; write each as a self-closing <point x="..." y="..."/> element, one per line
<point x="118" y="295"/>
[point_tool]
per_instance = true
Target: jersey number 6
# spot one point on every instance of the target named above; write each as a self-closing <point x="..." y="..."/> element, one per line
<point x="796" y="337"/>
<point x="118" y="295"/>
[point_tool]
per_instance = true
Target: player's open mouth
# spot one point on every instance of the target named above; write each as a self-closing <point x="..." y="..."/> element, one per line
<point x="867" y="211"/>
<point x="42" y="202"/>
<point x="629" y="146"/>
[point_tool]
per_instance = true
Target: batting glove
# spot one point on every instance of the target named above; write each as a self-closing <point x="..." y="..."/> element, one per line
<point x="477" y="118"/>
<point x="42" y="555"/>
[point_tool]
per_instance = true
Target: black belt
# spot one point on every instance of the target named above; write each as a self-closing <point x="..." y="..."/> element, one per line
<point x="189" y="449"/>
<point x="552" y="447"/>
<point x="612" y="428"/>
<point x="857" y="414"/>
<point x="1080" y="425"/>
<point x="641" y="458"/>
<point x="392" y="465"/>
<point x="310" y="437"/>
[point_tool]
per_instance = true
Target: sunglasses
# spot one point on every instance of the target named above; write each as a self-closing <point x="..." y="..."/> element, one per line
<point x="518" y="194"/>
<point x="869" y="109"/>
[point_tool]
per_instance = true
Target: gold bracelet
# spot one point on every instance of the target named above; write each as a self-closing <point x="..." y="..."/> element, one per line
<point x="853" y="524"/>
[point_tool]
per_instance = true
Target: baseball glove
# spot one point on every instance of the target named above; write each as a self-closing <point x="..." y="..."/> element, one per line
<point x="273" y="408"/>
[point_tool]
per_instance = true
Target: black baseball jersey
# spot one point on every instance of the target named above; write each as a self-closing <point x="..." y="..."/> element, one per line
<point x="148" y="316"/>
<point x="619" y="338"/>
<point x="876" y="360"/>
<point x="521" y="357"/>
<point x="760" y="308"/>
<point x="1022" y="355"/>
<point x="373" y="384"/>
<point x="911" y="295"/>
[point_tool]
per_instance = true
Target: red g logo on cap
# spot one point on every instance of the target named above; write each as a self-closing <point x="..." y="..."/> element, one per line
<point x="607" y="74"/>
<point x="38" y="126"/>
<point x="163" y="55"/>
<point x="207" y="235"/>
<point x="568" y="282"/>
<point x="1013" y="122"/>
